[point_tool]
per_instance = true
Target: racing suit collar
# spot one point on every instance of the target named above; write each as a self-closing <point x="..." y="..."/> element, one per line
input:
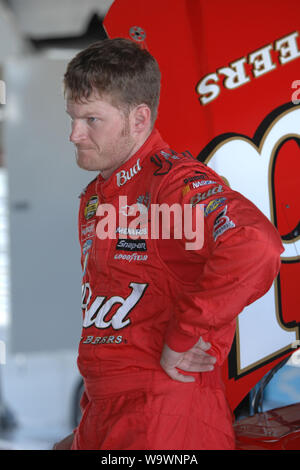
<point x="127" y="173"/>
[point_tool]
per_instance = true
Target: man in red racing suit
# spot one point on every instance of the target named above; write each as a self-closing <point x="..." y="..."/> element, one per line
<point x="147" y="300"/>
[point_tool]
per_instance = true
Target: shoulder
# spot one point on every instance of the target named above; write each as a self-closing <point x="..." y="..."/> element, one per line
<point x="182" y="174"/>
<point x="181" y="167"/>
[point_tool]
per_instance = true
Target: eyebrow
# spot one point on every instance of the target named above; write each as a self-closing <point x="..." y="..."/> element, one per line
<point x="85" y="115"/>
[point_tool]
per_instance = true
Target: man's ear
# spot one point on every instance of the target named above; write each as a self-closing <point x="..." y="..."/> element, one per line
<point x="141" y="119"/>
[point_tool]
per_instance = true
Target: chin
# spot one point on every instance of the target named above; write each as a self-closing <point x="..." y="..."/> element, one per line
<point x="86" y="166"/>
<point x="85" y="163"/>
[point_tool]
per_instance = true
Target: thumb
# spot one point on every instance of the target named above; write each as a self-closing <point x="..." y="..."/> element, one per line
<point x="175" y="375"/>
<point x="203" y="345"/>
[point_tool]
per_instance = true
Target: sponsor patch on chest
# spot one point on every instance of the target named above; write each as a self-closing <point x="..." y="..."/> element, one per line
<point x="131" y="245"/>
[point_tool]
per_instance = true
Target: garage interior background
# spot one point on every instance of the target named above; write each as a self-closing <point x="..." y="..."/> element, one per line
<point x="40" y="273"/>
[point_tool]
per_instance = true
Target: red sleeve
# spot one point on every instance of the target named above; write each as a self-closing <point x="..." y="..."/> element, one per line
<point x="238" y="263"/>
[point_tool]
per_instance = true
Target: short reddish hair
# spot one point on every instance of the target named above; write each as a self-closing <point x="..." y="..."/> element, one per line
<point x="118" y="68"/>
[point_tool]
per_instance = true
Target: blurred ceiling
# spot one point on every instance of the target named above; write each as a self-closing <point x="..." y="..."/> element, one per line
<point x="43" y="19"/>
<point x="47" y="24"/>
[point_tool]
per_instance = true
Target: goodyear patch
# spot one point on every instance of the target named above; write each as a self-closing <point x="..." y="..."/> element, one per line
<point x="213" y="205"/>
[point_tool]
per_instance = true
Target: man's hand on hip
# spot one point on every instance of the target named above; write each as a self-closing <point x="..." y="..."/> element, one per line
<point x="195" y="359"/>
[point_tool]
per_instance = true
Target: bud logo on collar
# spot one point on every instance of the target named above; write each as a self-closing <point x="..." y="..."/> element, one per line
<point x="123" y="176"/>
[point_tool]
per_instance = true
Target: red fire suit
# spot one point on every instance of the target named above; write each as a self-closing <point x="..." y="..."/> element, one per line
<point x="141" y="290"/>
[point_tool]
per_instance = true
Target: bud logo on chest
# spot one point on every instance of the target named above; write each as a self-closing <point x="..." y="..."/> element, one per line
<point x="99" y="312"/>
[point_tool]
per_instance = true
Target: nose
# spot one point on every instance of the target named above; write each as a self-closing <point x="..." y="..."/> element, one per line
<point x="78" y="132"/>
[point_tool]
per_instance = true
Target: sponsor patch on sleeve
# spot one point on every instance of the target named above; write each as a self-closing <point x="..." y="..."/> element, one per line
<point x="222" y="223"/>
<point x="199" y="197"/>
<point x="214" y="205"/>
